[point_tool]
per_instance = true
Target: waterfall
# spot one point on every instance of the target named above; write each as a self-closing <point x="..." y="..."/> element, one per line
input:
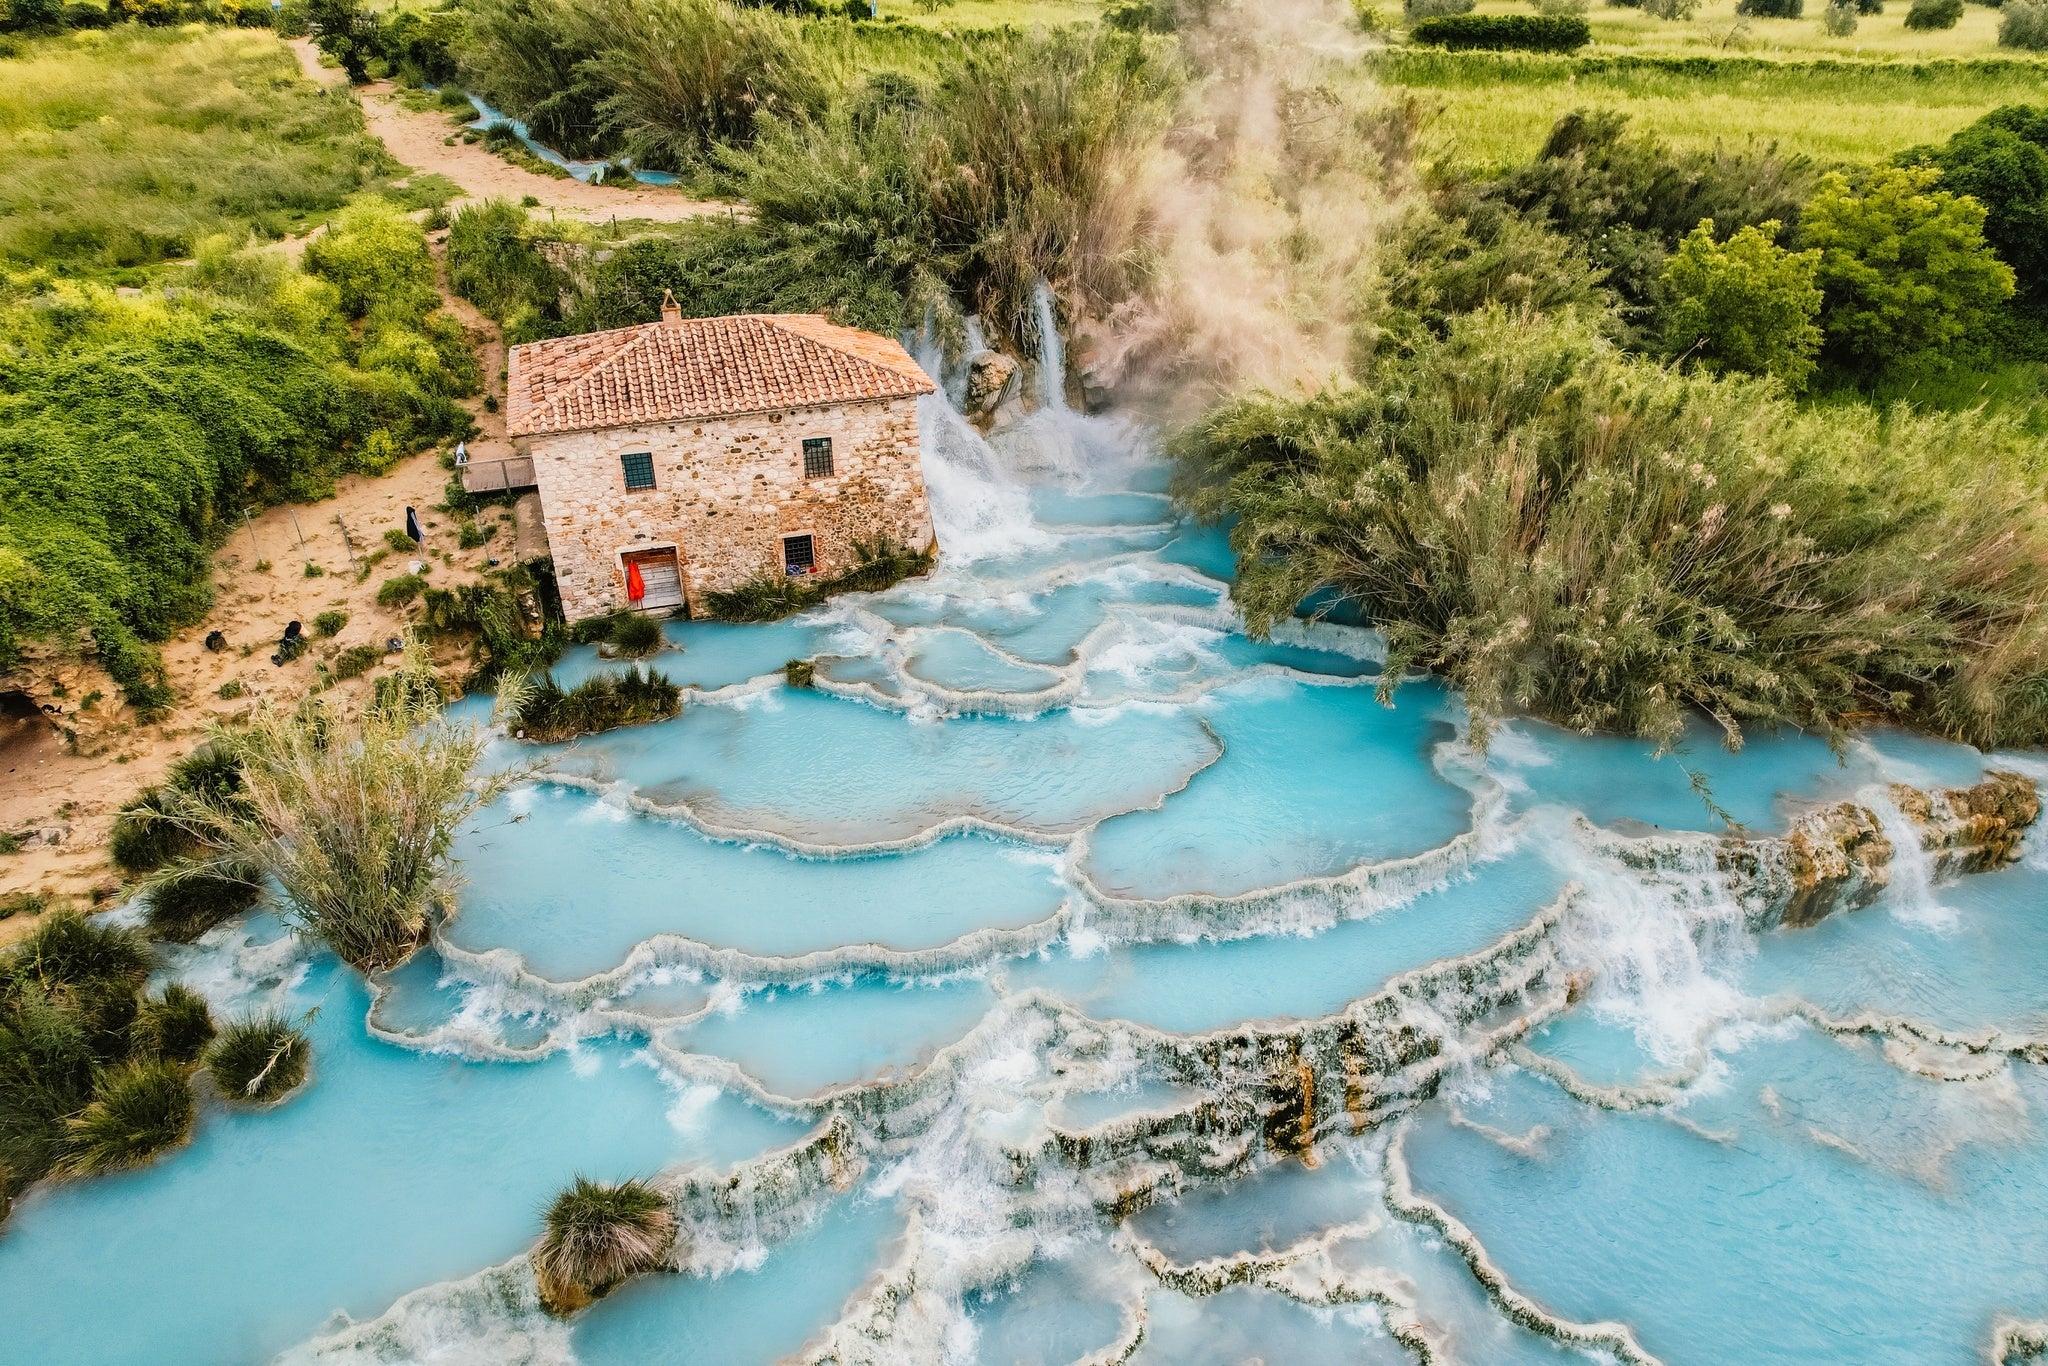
<point x="976" y="510"/>
<point x="1911" y="892"/>
<point x="1052" y="355"/>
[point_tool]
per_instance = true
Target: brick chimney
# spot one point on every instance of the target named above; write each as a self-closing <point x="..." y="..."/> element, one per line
<point x="671" y="311"/>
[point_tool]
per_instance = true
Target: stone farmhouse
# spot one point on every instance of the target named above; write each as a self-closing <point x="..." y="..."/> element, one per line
<point x="690" y="455"/>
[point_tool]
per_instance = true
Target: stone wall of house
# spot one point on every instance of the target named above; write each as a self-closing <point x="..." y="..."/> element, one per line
<point x="725" y="494"/>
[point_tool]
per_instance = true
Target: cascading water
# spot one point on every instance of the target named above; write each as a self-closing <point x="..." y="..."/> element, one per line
<point x="1069" y="977"/>
<point x="1052" y="355"/>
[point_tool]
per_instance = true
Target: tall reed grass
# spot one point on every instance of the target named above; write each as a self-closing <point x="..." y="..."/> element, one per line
<point x="353" y="820"/>
<point x="1559" y="529"/>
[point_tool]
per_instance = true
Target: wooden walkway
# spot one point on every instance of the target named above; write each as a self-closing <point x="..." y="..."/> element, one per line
<point x="498" y="476"/>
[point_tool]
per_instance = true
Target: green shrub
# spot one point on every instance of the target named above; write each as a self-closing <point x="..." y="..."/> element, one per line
<point x="470" y="536"/>
<point x="396" y="592"/>
<point x="352" y="819"/>
<point x="1557" y="528"/>
<point x="1934" y="14"/>
<point x="142" y="838"/>
<point x="1905" y="272"/>
<point x="1838" y="20"/>
<point x="230" y="690"/>
<point x="2001" y="161"/>
<point x="1628" y="200"/>
<point x="399" y="542"/>
<point x="636" y="634"/>
<point x="495" y="263"/>
<point x="596" y="1236"/>
<point x="23" y="903"/>
<point x="329" y="623"/>
<point x="68" y="952"/>
<point x="1415" y="11"/>
<point x="259" y="1059"/>
<point x="47" y="1066"/>
<point x="878" y="565"/>
<point x="10" y="842"/>
<point x="1504" y="32"/>
<point x="800" y="673"/>
<point x="1771" y="9"/>
<point x="376" y="257"/>
<point x="137" y="1111"/>
<point x="356" y="661"/>
<point x="175" y="1026"/>
<point x="544" y="712"/>
<point x="1746" y="304"/>
<point x="190" y="901"/>
<point x="2024" y="24"/>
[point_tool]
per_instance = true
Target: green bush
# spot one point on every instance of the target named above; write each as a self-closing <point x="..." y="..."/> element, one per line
<point x="399" y="542"/>
<point x="1746" y="304"/>
<point x="1838" y="20"/>
<point x="1934" y="14"/>
<point x="329" y="623"/>
<point x="146" y="834"/>
<point x="496" y="264"/>
<point x="1905" y="272"/>
<point x="1628" y="200"/>
<point x="356" y="661"/>
<point x="137" y="1111"/>
<point x="192" y="900"/>
<point x="1771" y="9"/>
<point x="67" y="952"/>
<point x="175" y="1026"/>
<point x="596" y="1236"/>
<point x="351" y="819"/>
<point x="636" y="634"/>
<point x="800" y="673"/>
<point x="23" y="902"/>
<point x="396" y="592"/>
<point x="2024" y="24"/>
<point x="1504" y="32"/>
<point x="259" y="1059"/>
<point x="1415" y="11"/>
<point x="1557" y="528"/>
<point x="470" y="536"/>
<point x="375" y="257"/>
<point x="544" y="712"/>
<point x="2001" y="161"/>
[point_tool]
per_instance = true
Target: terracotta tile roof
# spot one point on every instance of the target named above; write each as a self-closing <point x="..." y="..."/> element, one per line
<point x="680" y="369"/>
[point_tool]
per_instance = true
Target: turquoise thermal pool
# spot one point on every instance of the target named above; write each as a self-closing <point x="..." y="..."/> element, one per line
<point x="1068" y="978"/>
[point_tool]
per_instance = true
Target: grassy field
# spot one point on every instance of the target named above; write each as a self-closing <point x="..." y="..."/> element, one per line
<point x="125" y="147"/>
<point x="1492" y="110"/>
<point x="1714" y="31"/>
<point x="973" y="14"/>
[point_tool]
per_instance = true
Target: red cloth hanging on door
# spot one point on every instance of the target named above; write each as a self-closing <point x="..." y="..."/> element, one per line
<point x="636" y="587"/>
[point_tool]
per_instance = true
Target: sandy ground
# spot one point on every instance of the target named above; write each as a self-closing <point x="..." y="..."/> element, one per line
<point x="425" y="142"/>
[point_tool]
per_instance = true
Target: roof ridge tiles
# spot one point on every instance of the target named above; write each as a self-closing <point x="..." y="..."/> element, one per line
<point x="702" y="367"/>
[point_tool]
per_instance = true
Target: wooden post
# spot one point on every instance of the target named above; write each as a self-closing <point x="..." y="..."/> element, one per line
<point x="295" y="526"/>
<point x="346" y="543"/>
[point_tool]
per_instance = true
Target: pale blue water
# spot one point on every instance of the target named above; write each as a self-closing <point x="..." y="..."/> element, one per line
<point x="908" y="982"/>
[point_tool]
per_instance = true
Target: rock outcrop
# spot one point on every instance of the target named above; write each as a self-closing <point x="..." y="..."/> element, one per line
<point x="1841" y="858"/>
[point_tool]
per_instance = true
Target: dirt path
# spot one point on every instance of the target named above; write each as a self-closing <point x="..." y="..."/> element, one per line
<point x="421" y="140"/>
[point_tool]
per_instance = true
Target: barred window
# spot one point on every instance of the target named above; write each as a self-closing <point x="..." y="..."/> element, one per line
<point x="817" y="457"/>
<point x="798" y="556"/>
<point x="639" y="467"/>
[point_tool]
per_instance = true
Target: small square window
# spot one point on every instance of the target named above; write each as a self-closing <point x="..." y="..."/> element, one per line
<point x="639" y="468"/>
<point x="817" y="457"/>
<point x="797" y="555"/>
